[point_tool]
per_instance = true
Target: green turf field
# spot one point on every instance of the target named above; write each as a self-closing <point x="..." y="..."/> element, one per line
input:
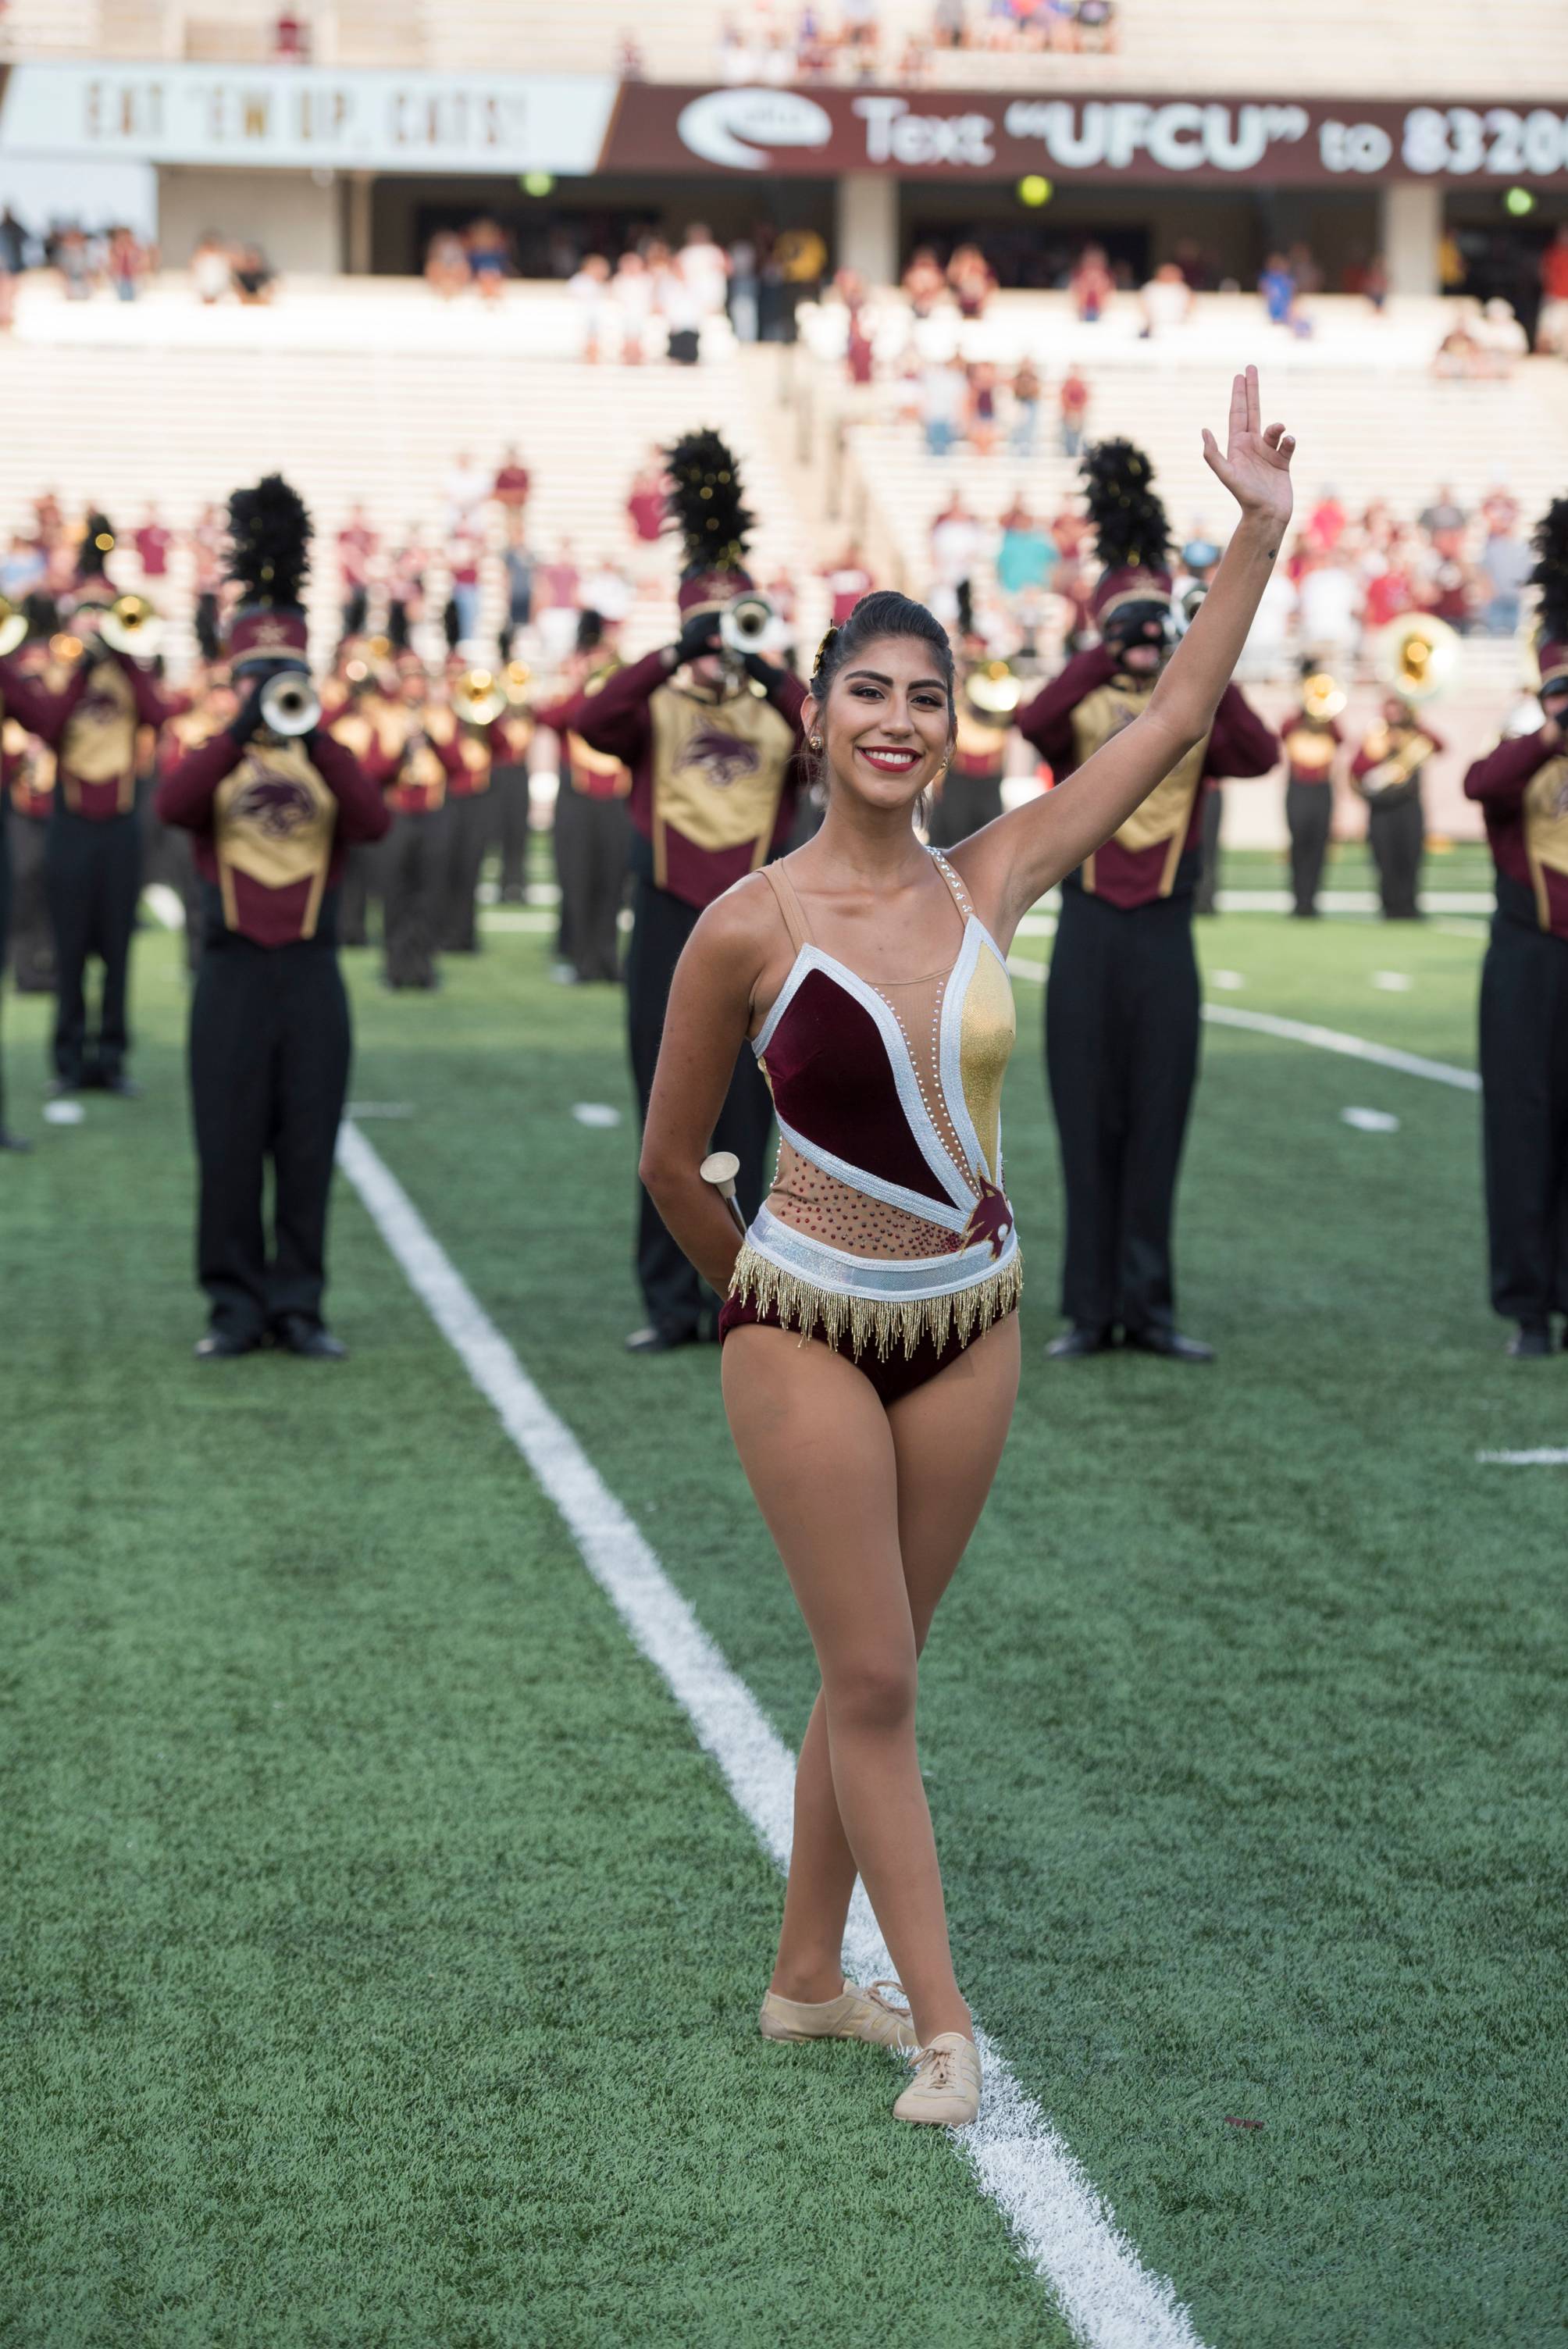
<point x="386" y="1952"/>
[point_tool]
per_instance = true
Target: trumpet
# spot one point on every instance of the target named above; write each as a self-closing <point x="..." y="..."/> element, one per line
<point x="993" y="688"/>
<point x="130" y="625"/>
<point x="13" y="626"/>
<point x="1321" y="698"/>
<point x="515" y="677"/>
<point x="1416" y="656"/>
<point x="479" y="697"/>
<point x="743" y="624"/>
<point x="289" y="703"/>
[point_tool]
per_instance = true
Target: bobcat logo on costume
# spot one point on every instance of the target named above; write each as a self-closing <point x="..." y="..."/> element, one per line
<point x="276" y="804"/>
<point x="723" y="758"/>
<point x="99" y="705"/>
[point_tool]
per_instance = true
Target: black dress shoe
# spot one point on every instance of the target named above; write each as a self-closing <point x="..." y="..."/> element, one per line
<point x="1531" y="1340"/>
<point x="226" y="1345"/>
<point x="298" y="1334"/>
<point x="654" y="1341"/>
<point x="10" y="1141"/>
<point x="1170" y="1344"/>
<point x="1075" y="1343"/>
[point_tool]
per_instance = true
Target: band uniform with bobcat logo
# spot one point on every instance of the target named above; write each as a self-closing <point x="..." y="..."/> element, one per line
<point x="416" y="756"/>
<point x="479" y="705"/>
<point x="271" y="813"/>
<point x="93" y="856"/>
<point x="711" y="739"/>
<point x="27" y="771"/>
<point x="1310" y="738"/>
<point x="1388" y="769"/>
<point x="1521" y="788"/>
<point x="1123" y="1011"/>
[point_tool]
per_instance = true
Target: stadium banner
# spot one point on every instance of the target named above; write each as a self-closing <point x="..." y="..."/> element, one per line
<point x="968" y="134"/>
<point x="294" y="116"/>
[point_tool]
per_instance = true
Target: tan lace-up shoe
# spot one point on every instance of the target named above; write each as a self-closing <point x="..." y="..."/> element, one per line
<point x="945" y="2088"/>
<point x="855" y="2013"/>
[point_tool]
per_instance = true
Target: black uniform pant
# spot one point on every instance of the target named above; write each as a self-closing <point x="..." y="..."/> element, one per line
<point x="508" y="789"/>
<point x="1206" y="896"/>
<point x="93" y="877"/>
<point x="1524" y="1084"/>
<point x="412" y="862"/>
<point x="1309" y="820"/>
<point x="32" y="932"/>
<point x="1122" y="1060"/>
<point x="269" y="1074"/>
<point x="5" y="943"/>
<point x="962" y="805"/>
<point x="361" y="883"/>
<point x="675" y="1297"/>
<point x="593" y="841"/>
<point x="1397" y="837"/>
<point x="468" y="821"/>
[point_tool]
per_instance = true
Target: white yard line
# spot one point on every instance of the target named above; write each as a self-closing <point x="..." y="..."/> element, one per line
<point x="1545" y="1455"/>
<point x="1305" y="1032"/>
<point x="1065" y="2228"/>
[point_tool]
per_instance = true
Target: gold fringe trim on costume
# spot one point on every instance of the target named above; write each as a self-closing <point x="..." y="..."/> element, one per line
<point x="872" y="1322"/>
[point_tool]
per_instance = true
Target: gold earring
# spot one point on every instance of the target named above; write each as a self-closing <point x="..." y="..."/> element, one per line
<point x="815" y="742"/>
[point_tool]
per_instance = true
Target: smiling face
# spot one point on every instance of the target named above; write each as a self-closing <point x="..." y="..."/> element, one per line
<point x="886" y="722"/>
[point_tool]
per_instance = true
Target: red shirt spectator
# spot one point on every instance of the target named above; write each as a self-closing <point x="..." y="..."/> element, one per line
<point x="357" y="544"/>
<point x="511" y="482"/>
<point x="847" y="580"/>
<point x="1554" y="267"/>
<point x="1326" y="525"/>
<point x="152" y="541"/>
<point x="646" y="502"/>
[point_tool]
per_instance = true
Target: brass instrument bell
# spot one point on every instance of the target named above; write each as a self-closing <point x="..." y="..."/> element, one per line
<point x="130" y="625"/>
<point x="479" y="697"/>
<point x="13" y="626"/>
<point x="1321" y="697"/>
<point x="1416" y="656"/>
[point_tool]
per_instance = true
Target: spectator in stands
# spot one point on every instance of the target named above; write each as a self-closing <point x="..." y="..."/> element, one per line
<point x="73" y="259"/>
<point x="209" y="552"/>
<point x="1390" y="581"/>
<point x="847" y="580"/>
<point x="23" y="568"/>
<point x="630" y="63"/>
<point x="490" y="256"/>
<point x="590" y="290"/>
<point x="745" y="304"/>
<point x="357" y="548"/>
<point x="1500" y="507"/>
<point x="971" y="280"/>
<point x="1326" y="522"/>
<point x="1505" y="566"/>
<point x="1025" y="555"/>
<point x="255" y="279"/>
<point x="1551" y="326"/>
<point x="1097" y="27"/>
<point x="128" y="262"/>
<point x="949" y="25"/>
<point x="291" y="38"/>
<point x="464" y="551"/>
<point x="859" y="350"/>
<point x="607" y="589"/>
<point x="152" y="540"/>
<point x="406" y="575"/>
<point x="631" y="292"/>
<point x="1330" y="607"/>
<point x="1026" y="389"/>
<point x="1277" y="287"/>
<point x="1073" y="401"/>
<point x="646" y="499"/>
<point x="955" y="541"/>
<point x="1444" y="521"/>
<point x="703" y="268"/>
<point x="1458" y="354"/>
<point x="1451" y="591"/>
<point x="1502" y="340"/>
<point x="943" y="402"/>
<point x="1091" y="285"/>
<point x="923" y="283"/>
<point x="980" y="413"/>
<point x="447" y="271"/>
<point x="510" y="489"/>
<point x="557" y="600"/>
<point x="1375" y="282"/>
<point x="1166" y="301"/>
<point x="13" y="243"/>
<point x="862" y="34"/>
<point x="465" y="490"/>
<point x="517" y="569"/>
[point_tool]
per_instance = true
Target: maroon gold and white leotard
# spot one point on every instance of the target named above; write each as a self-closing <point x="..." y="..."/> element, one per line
<point x="886" y="1232"/>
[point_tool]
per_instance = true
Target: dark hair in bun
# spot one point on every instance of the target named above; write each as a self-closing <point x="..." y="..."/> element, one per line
<point x="884" y="613"/>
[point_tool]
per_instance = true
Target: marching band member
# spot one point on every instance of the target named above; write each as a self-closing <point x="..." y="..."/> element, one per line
<point x="27" y="769"/>
<point x="1388" y="769"/>
<point x="354" y="711"/>
<point x="479" y="705"/>
<point x="712" y="740"/>
<point x="1310" y="738"/>
<point x="415" y="776"/>
<point x="970" y="793"/>
<point x="1122" y="1009"/>
<point x="592" y="833"/>
<point x="1522" y="790"/>
<point x="271" y="801"/>
<point x="94" y="860"/>
<point x="8" y="1141"/>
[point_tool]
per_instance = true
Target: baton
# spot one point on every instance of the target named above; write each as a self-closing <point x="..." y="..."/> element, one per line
<point x="720" y="1168"/>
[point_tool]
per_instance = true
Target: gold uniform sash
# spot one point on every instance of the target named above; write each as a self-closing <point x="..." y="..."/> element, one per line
<point x="1309" y="748"/>
<point x="1546" y="830"/>
<point x="718" y="772"/>
<point x="98" y="744"/>
<point x="273" y="819"/>
<point x="1164" y="818"/>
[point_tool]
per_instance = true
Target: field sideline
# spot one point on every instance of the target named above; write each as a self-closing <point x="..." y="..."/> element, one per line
<point x="389" y="1948"/>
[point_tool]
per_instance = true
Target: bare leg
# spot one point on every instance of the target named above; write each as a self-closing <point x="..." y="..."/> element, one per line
<point x="836" y="1477"/>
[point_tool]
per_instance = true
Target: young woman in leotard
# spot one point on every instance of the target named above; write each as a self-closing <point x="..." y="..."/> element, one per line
<point x="871" y="1347"/>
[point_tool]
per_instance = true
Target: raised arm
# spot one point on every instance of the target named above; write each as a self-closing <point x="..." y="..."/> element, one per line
<point x="33" y="707"/>
<point x="1016" y="860"/>
<point x="615" y="718"/>
<point x="1503" y="773"/>
<point x="704" y="1029"/>
<point x="362" y="812"/>
<point x="186" y="785"/>
<point x="155" y="705"/>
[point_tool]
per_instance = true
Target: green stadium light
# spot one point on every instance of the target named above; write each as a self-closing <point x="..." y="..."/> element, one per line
<point x="537" y="183"/>
<point x="1035" y="189"/>
<point x="1519" y="201"/>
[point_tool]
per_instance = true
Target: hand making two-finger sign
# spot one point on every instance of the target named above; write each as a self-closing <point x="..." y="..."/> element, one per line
<point x="1255" y="467"/>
